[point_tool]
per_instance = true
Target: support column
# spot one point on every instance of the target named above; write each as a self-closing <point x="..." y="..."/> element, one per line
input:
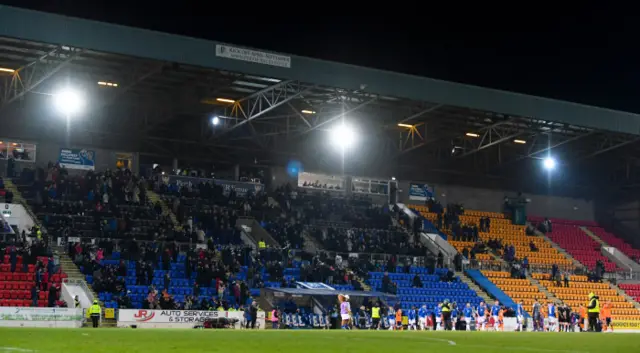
<point x="236" y="172"/>
<point x="174" y="164"/>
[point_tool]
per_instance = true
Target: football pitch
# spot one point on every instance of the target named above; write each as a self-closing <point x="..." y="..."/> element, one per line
<point x="23" y="340"/>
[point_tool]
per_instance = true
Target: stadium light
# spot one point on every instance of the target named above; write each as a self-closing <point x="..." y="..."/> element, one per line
<point x="549" y="163"/>
<point x="69" y="102"/>
<point x="107" y="84"/>
<point x="307" y="111"/>
<point x="7" y="70"/>
<point x="343" y="136"/>
<point x="522" y="142"/>
<point x="405" y="125"/>
<point x="215" y="120"/>
<point x="225" y="100"/>
<point x="472" y="134"/>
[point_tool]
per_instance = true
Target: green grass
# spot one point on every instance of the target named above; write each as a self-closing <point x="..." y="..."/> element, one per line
<point x="192" y="341"/>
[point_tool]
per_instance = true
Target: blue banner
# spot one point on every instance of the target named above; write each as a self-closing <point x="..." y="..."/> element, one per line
<point x="242" y="189"/>
<point x="420" y="192"/>
<point x="77" y="158"/>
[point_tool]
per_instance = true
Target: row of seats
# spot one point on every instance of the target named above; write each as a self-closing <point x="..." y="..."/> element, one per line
<point x="28" y="277"/>
<point x="581" y="246"/>
<point x="632" y="290"/>
<point x="21" y="302"/>
<point x="22" y="294"/>
<point x="7" y="260"/>
<point x="517" y="289"/>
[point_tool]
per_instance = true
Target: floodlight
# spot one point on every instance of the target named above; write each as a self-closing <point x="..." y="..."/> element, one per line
<point x="549" y="163"/>
<point x="472" y="134"/>
<point x="343" y="136"/>
<point x="215" y="120"/>
<point x="69" y="102"/>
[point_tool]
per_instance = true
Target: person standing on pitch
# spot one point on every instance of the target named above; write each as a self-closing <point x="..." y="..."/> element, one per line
<point x="95" y="311"/>
<point x="593" y="310"/>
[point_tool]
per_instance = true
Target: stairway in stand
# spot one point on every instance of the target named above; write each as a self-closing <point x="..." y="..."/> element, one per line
<point x="473" y="286"/>
<point x="154" y="198"/>
<point x="363" y="283"/>
<point x="17" y="198"/>
<point x="17" y="195"/>
<point x="74" y="273"/>
<point x="593" y="236"/>
<point x="543" y="289"/>
<point x="559" y="248"/>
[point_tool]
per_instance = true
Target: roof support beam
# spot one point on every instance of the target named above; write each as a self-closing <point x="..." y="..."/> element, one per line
<point x="338" y="116"/>
<point x="263" y="101"/>
<point x="494" y="134"/>
<point x="30" y="76"/>
<point x="419" y="114"/>
<point x="610" y="144"/>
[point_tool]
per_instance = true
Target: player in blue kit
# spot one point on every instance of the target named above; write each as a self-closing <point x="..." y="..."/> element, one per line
<point x="468" y="315"/>
<point x="439" y="324"/>
<point x="422" y="317"/>
<point x="519" y="316"/>
<point x="552" y="318"/>
<point x="411" y="316"/>
<point x="454" y="316"/>
<point x="391" y="318"/>
<point x="481" y="317"/>
<point x="495" y="312"/>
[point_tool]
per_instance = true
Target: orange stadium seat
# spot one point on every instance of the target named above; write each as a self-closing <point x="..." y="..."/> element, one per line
<point x="517" y="289"/>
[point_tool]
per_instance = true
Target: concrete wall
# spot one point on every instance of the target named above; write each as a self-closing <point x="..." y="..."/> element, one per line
<point x="16" y="215"/>
<point x="492" y="200"/>
<point x="623" y="220"/>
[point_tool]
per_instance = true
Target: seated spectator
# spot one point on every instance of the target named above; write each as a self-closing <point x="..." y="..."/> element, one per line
<point x="417" y="282"/>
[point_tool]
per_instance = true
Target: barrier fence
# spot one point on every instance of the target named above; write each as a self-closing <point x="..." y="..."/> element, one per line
<point x="40" y="317"/>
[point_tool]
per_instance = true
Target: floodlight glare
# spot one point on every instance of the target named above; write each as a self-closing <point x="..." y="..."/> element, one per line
<point x="343" y="136"/>
<point x="69" y="102"/>
<point x="549" y="163"/>
<point x="215" y="120"/>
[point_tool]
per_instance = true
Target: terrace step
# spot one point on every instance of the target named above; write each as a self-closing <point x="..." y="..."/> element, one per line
<point x="473" y="286"/>
<point x="155" y="198"/>
<point x="550" y="296"/>
<point x="559" y="248"/>
<point x="593" y="236"/>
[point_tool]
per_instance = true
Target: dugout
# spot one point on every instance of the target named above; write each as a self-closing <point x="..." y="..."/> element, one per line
<point x="321" y="300"/>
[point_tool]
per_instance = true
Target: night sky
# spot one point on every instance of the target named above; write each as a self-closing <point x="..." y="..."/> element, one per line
<point x="583" y="55"/>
